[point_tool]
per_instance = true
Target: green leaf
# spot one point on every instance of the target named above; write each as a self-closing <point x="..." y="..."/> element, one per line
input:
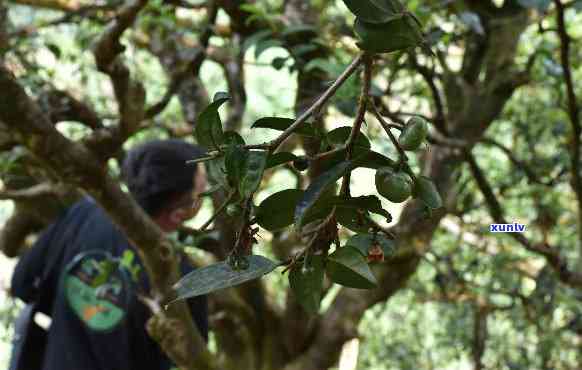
<point x="276" y="211"/>
<point x="368" y="203"/>
<point x="369" y="11"/>
<point x="347" y="267"/>
<point x="253" y="172"/>
<point x="54" y="49"/>
<point x="281" y="124"/>
<point x="402" y="32"/>
<point x="371" y="159"/>
<point x="221" y="95"/>
<point x="235" y="160"/>
<point x="363" y="243"/>
<point x="306" y="282"/>
<point x="233" y="138"/>
<point x="393" y="6"/>
<point x="303" y="49"/>
<point x="317" y="189"/>
<point x="208" y="129"/>
<point x="280" y="158"/>
<point x="426" y="191"/>
<point x="216" y="170"/>
<point x="340" y="135"/>
<point x="353" y="219"/>
<point x="220" y="275"/>
<point x="278" y="63"/>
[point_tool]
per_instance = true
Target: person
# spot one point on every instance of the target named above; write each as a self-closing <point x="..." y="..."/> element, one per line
<point x="97" y="318"/>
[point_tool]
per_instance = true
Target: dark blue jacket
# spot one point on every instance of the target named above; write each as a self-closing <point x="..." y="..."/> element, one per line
<point x="98" y="321"/>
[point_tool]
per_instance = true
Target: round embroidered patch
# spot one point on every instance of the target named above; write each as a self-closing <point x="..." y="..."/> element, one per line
<point x="96" y="290"/>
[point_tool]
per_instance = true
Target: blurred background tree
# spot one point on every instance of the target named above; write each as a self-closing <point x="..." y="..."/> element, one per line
<point x="500" y="91"/>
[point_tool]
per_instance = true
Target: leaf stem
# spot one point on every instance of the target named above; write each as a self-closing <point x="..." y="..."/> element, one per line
<point x="212" y="156"/>
<point x="218" y="211"/>
<point x="387" y="126"/>
<point x="323" y="155"/>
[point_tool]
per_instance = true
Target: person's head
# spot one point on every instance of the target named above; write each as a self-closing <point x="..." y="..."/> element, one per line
<point x="164" y="185"/>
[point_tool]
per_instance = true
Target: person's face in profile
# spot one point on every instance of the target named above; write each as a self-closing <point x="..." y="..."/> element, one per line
<point x="187" y="206"/>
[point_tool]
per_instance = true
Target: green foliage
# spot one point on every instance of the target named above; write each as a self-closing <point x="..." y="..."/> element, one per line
<point x="252" y="172"/>
<point x="316" y="190"/>
<point x="222" y="275"/>
<point x="306" y="281"/>
<point x="281" y="124"/>
<point x="339" y="136"/>
<point x="375" y="11"/>
<point x="209" y="127"/>
<point x="277" y="211"/>
<point x="347" y="267"/>
<point x="425" y="190"/>
<point x="280" y="158"/>
<point x="400" y="32"/>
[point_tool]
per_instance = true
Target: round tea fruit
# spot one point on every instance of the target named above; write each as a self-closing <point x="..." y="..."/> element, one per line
<point x="413" y="134"/>
<point x="394" y="186"/>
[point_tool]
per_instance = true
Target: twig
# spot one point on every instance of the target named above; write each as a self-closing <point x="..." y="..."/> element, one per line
<point x="297" y="257"/>
<point x="273" y="145"/>
<point x="329" y="153"/>
<point x="386" y="127"/>
<point x="218" y="211"/>
<point x="368" y="62"/>
<point x="382" y="229"/>
<point x="429" y="77"/>
<point x="321" y="225"/>
<point x="204" y="159"/>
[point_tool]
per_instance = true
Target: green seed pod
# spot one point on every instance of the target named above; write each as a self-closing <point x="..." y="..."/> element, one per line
<point x="425" y="190"/>
<point x="413" y="134"/>
<point x="394" y="186"/>
<point x="301" y="163"/>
